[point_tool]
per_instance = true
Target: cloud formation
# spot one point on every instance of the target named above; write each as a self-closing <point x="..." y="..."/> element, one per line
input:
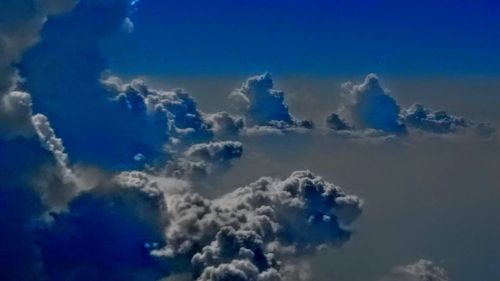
<point x="264" y="106"/>
<point x="368" y="108"/>
<point x="253" y="230"/>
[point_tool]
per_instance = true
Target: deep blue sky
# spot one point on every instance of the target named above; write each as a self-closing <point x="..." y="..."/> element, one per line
<point x="203" y="37"/>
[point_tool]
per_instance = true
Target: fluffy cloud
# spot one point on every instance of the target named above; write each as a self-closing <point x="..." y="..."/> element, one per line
<point x="142" y="227"/>
<point x="422" y="270"/>
<point x="255" y="229"/>
<point x="15" y="115"/>
<point x="367" y="105"/>
<point x="264" y="106"/>
<point x="368" y="108"/>
<point x="440" y="122"/>
<point x="203" y="159"/>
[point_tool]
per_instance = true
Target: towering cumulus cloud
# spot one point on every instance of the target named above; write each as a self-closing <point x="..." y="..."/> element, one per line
<point x="368" y="106"/>
<point x="265" y="107"/>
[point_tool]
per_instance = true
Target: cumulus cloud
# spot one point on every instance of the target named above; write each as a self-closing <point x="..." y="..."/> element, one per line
<point x="15" y="115"/>
<point x="419" y="117"/>
<point x="368" y="105"/>
<point x="143" y="227"/>
<point x="422" y="270"/>
<point x="264" y="106"/>
<point x="368" y="108"/>
<point x="225" y="124"/>
<point x="252" y="231"/>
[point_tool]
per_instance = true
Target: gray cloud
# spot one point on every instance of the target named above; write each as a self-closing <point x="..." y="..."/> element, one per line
<point x="422" y="270"/>
<point x="440" y="122"/>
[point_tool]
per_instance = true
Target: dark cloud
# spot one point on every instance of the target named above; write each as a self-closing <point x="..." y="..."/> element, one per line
<point x="335" y="122"/>
<point x="105" y="234"/>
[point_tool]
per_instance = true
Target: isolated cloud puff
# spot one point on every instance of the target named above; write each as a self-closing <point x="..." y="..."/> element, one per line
<point x="204" y="159"/>
<point x="368" y="105"/>
<point x="422" y="270"/>
<point x="264" y="106"/>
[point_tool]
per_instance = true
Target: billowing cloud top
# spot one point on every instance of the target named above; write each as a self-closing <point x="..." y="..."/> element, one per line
<point x="264" y="106"/>
<point x="368" y="106"/>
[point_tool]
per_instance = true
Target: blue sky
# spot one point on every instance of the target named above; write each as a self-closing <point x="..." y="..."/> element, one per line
<point x="407" y="38"/>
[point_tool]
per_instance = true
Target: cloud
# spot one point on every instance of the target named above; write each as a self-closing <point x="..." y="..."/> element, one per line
<point x="186" y="134"/>
<point x="20" y="24"/>
<point x="259" y="226"/>
<point x="368" y="108"/>
<point x="264" y="106"/>
<point x="225" y="124"/>
<point x="367" y="105"/>
<point x="106" y="234"/>
<point x="15" y="115"/>
<point x="142" y="227"/>
<point x="62" y="73"/>
<point x="419" y="117"/>
<point x="336" y="123"/>
<point x="422" y="270"/>
<point x="216" y="152"/>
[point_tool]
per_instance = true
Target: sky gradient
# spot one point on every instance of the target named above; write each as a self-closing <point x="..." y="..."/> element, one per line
<point x="424" y="38"/>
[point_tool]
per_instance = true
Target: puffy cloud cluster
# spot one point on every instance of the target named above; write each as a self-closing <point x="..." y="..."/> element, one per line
<point x="142" y="227"/>
<point x="368" y="108"/>
<point x="419" y="117"/>
<point x="265" y="107"/>
<point x="422" y="270"/>
<point x="251" y="232"/>
<point x="189" y="136"/>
